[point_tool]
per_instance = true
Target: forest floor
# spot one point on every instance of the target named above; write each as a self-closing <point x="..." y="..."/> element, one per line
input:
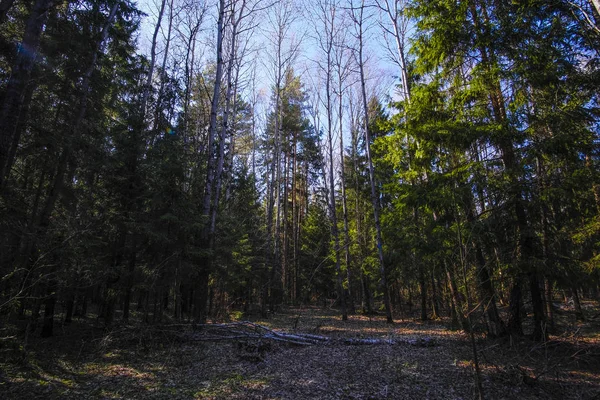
<point x="135" y="362"/>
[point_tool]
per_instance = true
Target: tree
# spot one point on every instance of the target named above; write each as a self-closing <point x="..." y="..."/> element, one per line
<point x="358" y="17"/>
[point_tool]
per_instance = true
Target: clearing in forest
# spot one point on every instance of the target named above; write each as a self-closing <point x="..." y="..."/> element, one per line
<point x="175" y="362"/>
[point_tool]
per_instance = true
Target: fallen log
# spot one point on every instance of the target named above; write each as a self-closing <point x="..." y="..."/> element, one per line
<point x="246" y="330"/>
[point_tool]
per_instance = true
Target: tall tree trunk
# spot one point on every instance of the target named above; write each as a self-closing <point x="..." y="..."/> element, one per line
<point x="206" y="238"/>
<point x="374" y="198"/>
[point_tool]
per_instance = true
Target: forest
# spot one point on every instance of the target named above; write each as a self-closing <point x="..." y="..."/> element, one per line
<point x="338" y="172"/>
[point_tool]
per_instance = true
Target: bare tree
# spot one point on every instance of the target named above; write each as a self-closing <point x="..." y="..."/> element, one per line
<point x="357" y="13"/>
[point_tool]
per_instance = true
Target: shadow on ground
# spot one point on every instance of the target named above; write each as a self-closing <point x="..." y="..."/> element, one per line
<point x="144" y="362"/>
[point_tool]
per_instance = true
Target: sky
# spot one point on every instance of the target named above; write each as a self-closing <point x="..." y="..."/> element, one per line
<point x="304" y="30"/>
